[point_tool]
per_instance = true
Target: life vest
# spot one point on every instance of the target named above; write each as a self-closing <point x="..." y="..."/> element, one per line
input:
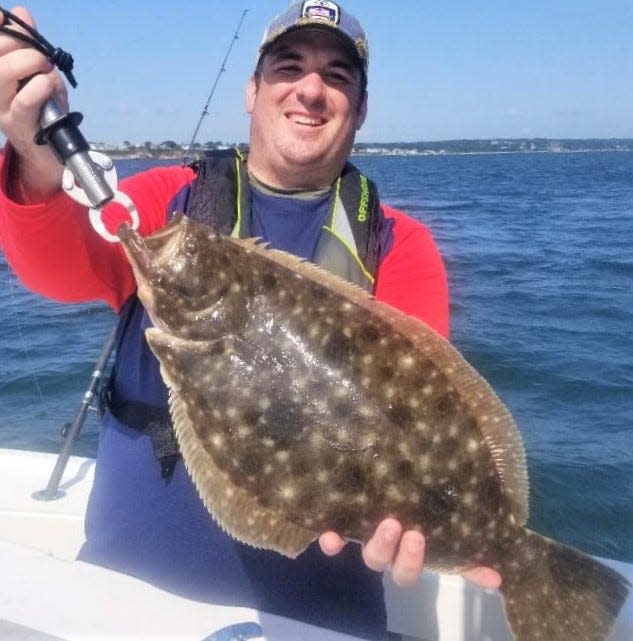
<point x="220" y="196"/>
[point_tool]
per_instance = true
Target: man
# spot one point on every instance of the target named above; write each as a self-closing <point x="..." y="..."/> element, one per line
<point x="307" y="98"/>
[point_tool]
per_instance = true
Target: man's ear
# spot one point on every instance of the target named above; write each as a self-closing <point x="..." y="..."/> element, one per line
<point x="251" y="93"/>
<point x="362" y="112"/>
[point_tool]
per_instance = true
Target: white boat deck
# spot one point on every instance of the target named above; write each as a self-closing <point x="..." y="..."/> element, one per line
<point x="44" y="591"/>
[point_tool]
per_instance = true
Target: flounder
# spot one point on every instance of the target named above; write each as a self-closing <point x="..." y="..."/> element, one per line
<point x="301" y="404"/>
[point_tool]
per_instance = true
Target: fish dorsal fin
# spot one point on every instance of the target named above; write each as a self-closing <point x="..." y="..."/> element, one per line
<point x="497" y="426"/>
<point x="234" y="509"/>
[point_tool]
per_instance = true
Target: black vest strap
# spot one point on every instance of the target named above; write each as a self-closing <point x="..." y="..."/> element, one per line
<point x="361" y="201"/>
<point x="220" y="190"/>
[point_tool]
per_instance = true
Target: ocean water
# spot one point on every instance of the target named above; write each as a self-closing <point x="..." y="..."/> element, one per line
<point x="539" y="252"/>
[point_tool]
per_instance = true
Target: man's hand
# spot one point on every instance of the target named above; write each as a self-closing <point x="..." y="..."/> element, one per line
<point x="403" y="553"/>
<point x="38" y="171"/>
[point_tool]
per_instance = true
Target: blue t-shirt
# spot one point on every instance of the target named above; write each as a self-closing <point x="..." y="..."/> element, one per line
<point x="291" y="224"/>
<point x="158" y="530"/>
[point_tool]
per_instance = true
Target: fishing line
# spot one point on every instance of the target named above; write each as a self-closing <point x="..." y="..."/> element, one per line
<point x="22" y="340"/>
<point x="205" y="109"/>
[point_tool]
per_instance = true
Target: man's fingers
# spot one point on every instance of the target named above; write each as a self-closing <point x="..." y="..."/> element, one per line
<point x="380" y="551"/>
<point x="331" y="543"/>
<point x="7" y="41"/>
<point x="407" y="566"/>
<point x="403" y="553"/>
<point x="483" y="577"/>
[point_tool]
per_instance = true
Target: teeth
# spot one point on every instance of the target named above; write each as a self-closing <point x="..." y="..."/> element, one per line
<point x="312" y="122"/>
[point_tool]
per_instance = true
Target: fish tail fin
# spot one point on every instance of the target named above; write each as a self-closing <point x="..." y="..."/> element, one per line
<point x="553" y="592"/>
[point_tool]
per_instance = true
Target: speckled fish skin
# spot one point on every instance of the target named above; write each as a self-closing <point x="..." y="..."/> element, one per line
<point x="303" y="405"/>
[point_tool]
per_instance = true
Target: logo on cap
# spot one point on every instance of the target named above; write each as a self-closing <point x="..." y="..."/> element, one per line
<point x="321" y="10"/>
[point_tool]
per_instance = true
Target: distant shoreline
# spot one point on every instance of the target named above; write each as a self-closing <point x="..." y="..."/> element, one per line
<point x="170" y="149"/>
<point x="116" y="155"/>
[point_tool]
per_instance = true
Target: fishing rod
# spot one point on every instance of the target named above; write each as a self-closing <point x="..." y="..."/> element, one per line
<point x="205" y="109"/>
<point x="71" y="431"/>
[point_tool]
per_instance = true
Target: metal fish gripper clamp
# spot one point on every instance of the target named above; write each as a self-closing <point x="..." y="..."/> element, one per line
<point x="89" y="177"/>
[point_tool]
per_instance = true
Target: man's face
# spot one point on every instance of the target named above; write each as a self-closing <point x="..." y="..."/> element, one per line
<point x="305" y="110"/>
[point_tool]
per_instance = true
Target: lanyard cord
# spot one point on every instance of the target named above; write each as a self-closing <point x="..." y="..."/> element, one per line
<point x="60" y="58"/>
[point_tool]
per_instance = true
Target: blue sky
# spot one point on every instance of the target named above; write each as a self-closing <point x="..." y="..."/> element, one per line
<point x="438" y="70"/>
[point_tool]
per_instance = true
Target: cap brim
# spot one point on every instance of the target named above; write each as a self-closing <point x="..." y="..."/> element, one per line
<point x="346" y="42"/>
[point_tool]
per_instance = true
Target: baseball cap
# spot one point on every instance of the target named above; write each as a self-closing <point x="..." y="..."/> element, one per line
<point x="320" y="14"/>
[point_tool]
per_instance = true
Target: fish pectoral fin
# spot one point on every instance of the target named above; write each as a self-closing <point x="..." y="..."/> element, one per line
<point x="234" y="508"/>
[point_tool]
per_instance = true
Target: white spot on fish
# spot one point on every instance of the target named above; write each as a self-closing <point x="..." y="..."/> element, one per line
<point x="421" y="426"/>
<point x="404" y="448"/>
<point x="382" y="469"/>
<point x="394" y="493"/>
<point x="407" y="362"/>
<point x="217" y="440"/>
<point x="287" y="493"/>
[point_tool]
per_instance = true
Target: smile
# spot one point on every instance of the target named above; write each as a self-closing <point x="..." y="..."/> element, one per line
<point x="308" y="121"/>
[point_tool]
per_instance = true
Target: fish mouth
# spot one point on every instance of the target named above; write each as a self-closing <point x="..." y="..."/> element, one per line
<point x="135" y="249"/>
